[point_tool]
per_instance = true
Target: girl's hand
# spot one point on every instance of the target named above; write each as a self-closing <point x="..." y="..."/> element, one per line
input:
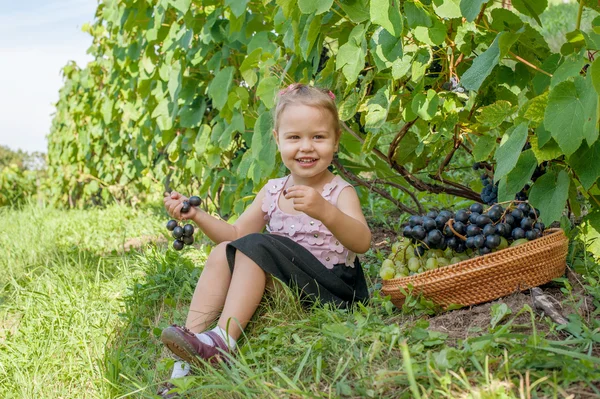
<point x="308" y="200"/>
<point x="173" y="204"/>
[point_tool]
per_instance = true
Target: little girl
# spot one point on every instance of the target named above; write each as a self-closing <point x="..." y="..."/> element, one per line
<point x="315" y="229"/>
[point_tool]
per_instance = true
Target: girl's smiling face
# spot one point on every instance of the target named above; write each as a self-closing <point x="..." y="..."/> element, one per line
<point x="306" y="139"/>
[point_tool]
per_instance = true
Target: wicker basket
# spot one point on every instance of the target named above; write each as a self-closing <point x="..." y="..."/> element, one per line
<point x="490" y="276"/>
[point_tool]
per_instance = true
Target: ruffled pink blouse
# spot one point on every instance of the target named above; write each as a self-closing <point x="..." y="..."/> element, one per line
<point x="306" y="231"/>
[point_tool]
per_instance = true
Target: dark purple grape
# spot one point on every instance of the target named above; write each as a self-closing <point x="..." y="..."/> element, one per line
<point x="171" y="224"/>
<point x="489" y="229"/>
<point x="188" y="230"/>
<point x="447" y="214"/>
<point x="473" y="230"/>
<point x="482" y="220"/>
<point x="428" y="223"/>
<point x="540" y="226"/>
<point x="462" y="216"/>
<point x="509" y="219"/>
<point x="452" y="242"/>
<point x="524" y="208"/>
<point x="194" y="201"/>
<point x="495" y="214"/>
<point x="503" y="229"/>
<point x="492" y="241"/>
<point x="447" y="231"/>
<point x="178" y="245"/>
<point x="414" y="221"/>
<point x="478" y="241"/>
<point x="418" y="233"/>
<point x="432" y="214"/>
<point x="473" y="217"/>
<point x="459" y="227"/>
<point x="526" y="224"/>
<point x="188" y="240"/>
<point x="460" y="248"/>
<point x="484" y="250"/>
<point x="534" y="213"/>
<point x="517" y="214"/>
<point x="533" y="234"/>
<point x="470" y="242"/>
<point x="185" y="208"/>
<point x="407" y="232"/>
<point x="518" y="233"/>
<point x="435" y="237"/>
<point x="440" y="221"/>
<point x="177" y="232"/>
<point x="476" y="207"/>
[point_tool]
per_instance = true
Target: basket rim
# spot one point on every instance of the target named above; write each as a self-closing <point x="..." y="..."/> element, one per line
<point x="446" y="272"/>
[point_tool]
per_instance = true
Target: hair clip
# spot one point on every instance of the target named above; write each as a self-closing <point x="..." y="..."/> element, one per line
<point x="330" y="93"/>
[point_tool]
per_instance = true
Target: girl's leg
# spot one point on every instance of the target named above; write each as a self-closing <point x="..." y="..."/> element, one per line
<point x="211" y="291"/>
<point x="243" y="296"/>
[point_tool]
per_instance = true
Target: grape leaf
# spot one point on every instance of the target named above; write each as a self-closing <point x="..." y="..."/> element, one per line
<point x="357" y="10"/>
<point x="494" y="114"/>
<point x="484" y="64"/>
<point x="219" y="88"/>
<point x="590" y="233"/>
<point x="532" y="8"/>
<point x="237" y="7"/>
<point x="570" y="67"/>
<point x="386" y="14"/>
<point x="447" y="8"/>
<point x="547" y="152"/>
<point x="535" y="109"/>
<point x="349" y="106"/>
<point x="571" y="113"/>
<point x="351" y="55"/>
<point x="415" y="15"/>
<point x="426" y="105"/>
<point x="509" y="150"/>
<point x="267" y="90"/>
<point x="314" y="6"/>
<point x="483" y="148"/>
<point x="385" y="48"/>
<point x="518" y="177"/>
<point x="549" y="194"/>
<point x="586" y="163"/>
<point x="595" y="73"/>
<point x="470" y="8"/>
<point x="377" y="108"/>
<point x="181" y="5"/>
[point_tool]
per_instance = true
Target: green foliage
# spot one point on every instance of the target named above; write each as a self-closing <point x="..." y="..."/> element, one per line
<point x="180" y="93"/>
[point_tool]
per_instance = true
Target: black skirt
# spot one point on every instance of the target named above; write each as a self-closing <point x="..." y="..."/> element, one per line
<point x="295" y="266"/>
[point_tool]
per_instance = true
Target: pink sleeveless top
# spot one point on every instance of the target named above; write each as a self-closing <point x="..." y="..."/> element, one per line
<point x="306" y="231"/>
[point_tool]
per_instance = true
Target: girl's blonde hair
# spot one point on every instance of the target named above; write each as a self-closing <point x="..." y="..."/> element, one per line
<point x="299" y="93"/>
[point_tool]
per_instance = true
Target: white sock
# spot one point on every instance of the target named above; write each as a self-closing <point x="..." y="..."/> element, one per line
<point x="205" y="339"/>
<point x="180" y="369"/>
<point x="229" y="340"/>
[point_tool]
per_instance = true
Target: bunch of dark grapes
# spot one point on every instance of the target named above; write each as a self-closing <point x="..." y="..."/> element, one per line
<point x="489" y="193"/>
<point x="183" y="234"/>
<point x="474" y="230"/>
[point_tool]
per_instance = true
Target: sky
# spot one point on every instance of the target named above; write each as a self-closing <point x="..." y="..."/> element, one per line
<point x="37" y="39"/>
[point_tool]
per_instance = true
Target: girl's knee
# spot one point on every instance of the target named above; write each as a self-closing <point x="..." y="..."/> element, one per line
<point x="218" y="256"/>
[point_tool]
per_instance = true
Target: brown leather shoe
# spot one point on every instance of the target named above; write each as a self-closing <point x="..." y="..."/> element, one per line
<point x="184" y="343"/>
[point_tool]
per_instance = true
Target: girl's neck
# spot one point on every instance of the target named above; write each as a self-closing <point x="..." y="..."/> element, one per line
<point x="316" y="182"/>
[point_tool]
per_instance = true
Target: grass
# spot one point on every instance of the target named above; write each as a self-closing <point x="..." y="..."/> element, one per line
<point x="80" y="318"/>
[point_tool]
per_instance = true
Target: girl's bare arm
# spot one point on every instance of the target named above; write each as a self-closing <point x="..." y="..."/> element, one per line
<point x="347" y="222"/>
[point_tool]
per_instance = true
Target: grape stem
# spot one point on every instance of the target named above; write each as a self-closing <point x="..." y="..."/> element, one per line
<point x="449" y="224"/>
